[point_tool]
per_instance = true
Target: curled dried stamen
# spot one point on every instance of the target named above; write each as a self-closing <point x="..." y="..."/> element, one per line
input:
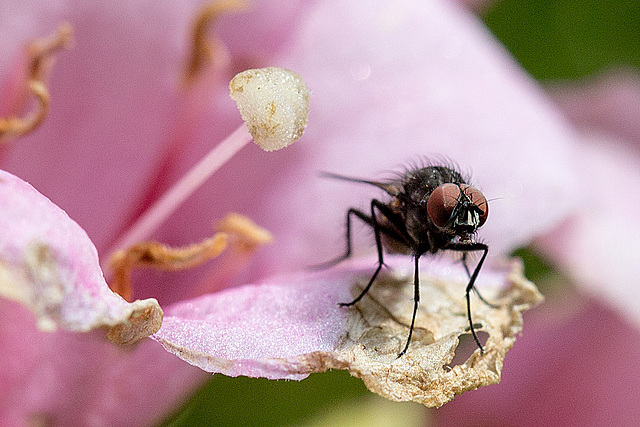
<point x="41" y="53"/>
<point x="206" y="50"/>
<point x="157" y="255"/>
<point x="234" y="229"/>
<point x="246" y="234"/>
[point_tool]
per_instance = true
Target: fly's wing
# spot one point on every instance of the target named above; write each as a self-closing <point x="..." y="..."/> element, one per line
<point x="392" y="187"/>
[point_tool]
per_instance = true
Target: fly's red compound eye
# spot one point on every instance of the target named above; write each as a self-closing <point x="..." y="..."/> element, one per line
<point x="441" y="203"/>
<point x="478" y="199"/>
<point x="444" y="199"/>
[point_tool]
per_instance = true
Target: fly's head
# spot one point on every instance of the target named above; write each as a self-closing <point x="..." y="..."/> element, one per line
<point x="457" y="209"/>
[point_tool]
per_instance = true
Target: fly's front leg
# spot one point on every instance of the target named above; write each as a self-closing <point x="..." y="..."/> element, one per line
<point x="466" y="268"/>
<point x="469" y="247"/>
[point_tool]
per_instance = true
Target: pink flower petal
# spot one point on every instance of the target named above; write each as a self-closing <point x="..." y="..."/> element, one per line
<point x="389" y="84"/>
<point x="48" y="264"/>
<point x="114" y="97"/>
<point x="256" y="325"/>
<point x="609" y="103"/>
<point x="598" y="245"/>
<point x="72" y="379"/>
<point x="280" y="330"/>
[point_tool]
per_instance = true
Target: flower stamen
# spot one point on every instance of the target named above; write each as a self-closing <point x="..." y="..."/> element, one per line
<point x="235" y="230"/>
<point x="179" y="192"/>
<point x="268" y="99"/>
<point x="41" y="53"/>
<point x="205" y="49"/>
<point x="247" y="236"/>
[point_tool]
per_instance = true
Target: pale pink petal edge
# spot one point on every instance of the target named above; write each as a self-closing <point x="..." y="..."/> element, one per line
<point x="49" y="264"/>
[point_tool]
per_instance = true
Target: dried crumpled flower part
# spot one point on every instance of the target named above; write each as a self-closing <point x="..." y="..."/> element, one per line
<point x="289" y="331"/>
<point x="49" y="265"/>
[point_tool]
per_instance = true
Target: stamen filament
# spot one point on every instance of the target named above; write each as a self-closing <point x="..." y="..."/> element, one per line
<point x="14" y="127"/>
<point x="157" y="213"/>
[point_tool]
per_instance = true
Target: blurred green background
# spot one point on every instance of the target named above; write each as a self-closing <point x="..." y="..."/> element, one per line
<point x="567" y="39"/>
<point x="552" y="39"/>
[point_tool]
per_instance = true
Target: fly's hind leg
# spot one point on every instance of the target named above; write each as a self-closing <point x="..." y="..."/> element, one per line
<point x="347" y="253"/>
<point x="416" y="300"/>
<point x="377" y="228"/>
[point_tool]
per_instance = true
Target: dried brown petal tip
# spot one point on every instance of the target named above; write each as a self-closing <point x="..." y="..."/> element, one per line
<point x="41" y="53"/>
<point x="378" y="327"/>
<point x="145" y="319"/>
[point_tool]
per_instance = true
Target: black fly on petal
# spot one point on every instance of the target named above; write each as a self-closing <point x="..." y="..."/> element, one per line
<point x="432" y="208"/>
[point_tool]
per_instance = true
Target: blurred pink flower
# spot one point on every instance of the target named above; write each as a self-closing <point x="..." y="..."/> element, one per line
<point x="389" y="82"/>
<point x="571" y="366"/>
<point x="603" y="255"/>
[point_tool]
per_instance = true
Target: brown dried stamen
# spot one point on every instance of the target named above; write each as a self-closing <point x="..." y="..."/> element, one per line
<point x="206" y="50"/>
<point x="234" y="229"/>
<point x="247" y="235"/>
<point x="41" y="53"/>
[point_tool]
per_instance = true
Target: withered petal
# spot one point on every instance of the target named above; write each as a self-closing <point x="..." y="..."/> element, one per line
<point x="295" y="327"/>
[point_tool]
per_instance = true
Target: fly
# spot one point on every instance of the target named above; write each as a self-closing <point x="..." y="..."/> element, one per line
<point x="432" y="208"/>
